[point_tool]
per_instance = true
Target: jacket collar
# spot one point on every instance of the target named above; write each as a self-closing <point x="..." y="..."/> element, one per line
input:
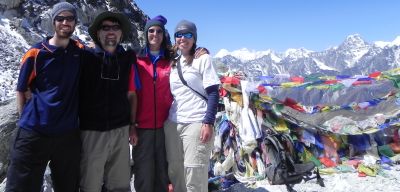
<point x="53" y="48"/>
<point x="99" y="50"/>
<point x="146" y="52"/>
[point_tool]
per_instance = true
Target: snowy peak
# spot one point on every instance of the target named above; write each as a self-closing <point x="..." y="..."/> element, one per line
<point x="222" y="53"/>
<point x="352" y="49"/>
<point x="297" y="53"/>
<point x="396" y="41"/>
<point x="353" y="42"/>
<point x="383" y="44"/>
<point x="245" y="54"/>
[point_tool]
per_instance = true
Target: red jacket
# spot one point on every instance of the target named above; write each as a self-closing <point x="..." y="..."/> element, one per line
<point x="154" y="96"/>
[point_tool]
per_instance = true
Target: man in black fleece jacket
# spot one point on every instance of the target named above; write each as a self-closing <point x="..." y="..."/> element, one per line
<point x="107" y="106"/>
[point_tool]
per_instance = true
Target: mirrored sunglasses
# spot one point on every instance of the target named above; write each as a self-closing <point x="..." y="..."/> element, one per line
<point x="186" y="35"/>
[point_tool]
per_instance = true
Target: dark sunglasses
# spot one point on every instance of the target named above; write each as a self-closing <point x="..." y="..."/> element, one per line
<point x="110" y="27"/>
<point x="153" y="30"/>
<point x="186" y="35"/>
<point x="66" y="18"/>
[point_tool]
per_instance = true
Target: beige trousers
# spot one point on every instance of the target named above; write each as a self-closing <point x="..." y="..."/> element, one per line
<point x="188" y="158"/>
<point x="105" y="160"/>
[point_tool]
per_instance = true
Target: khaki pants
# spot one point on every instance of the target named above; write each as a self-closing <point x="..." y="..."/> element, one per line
<point x="188" y="158"/>
<point x="105" y="160"/>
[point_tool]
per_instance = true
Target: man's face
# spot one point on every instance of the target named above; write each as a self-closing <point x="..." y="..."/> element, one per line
<point x="64" y="24"/>
<point x="109" y="34"/>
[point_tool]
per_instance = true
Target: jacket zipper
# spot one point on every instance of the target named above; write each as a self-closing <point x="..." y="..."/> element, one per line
<point x="154" y="92"/>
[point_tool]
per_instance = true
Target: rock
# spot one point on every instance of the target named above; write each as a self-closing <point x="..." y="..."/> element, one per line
<point x="8" y="119"/>
<point x="9" y="4"/>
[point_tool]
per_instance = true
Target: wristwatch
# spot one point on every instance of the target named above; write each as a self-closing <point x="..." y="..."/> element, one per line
<point x="133" y="124"/>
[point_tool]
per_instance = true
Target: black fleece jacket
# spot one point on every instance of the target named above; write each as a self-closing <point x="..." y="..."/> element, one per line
<point x="104" y="103"/>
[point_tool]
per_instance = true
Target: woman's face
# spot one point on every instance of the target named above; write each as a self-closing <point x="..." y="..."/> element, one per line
<point x="155" y="37"/>
<point x="184" y="41"/>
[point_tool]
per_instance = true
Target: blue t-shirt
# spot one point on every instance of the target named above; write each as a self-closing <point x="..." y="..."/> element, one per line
<point x="52" y="74"/>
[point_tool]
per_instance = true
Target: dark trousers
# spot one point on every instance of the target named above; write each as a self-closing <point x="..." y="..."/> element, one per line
<point x="30" y="154"/>
<point x="150" y="162"/>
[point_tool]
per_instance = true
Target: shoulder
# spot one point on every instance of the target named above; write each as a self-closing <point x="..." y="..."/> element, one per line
<point x="142" y="54"/>
<point x="204" y="59"/>
<point x="130" y="54"/>
<point x="38" y="45"/>
<point x="87" y="52"/>
<point x="34" y="51"/>
<point x="78" y="43"/>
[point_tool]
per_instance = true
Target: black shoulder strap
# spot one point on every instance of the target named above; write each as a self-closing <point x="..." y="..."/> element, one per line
<point x="178" y="66"/>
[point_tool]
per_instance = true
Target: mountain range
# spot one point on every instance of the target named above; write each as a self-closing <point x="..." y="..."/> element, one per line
<point x="352" y="57"/>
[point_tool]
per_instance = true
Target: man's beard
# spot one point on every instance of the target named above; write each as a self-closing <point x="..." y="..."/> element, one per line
<point x="110" y="42"/>
<point x="64" y="35"/>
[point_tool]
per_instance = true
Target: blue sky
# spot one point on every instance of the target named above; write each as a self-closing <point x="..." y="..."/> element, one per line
<point x="280" y="24"/>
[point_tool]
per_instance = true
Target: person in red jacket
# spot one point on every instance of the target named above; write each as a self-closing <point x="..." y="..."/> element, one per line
<point x="154" y="100"/>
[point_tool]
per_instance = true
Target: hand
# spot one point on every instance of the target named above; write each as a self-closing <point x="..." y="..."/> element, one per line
<point x="133" y="137"/>
<point x="91" y="44"/>
<point x="28" y="94"/>
<point x="206" y="133"/>
<point x="200" y="51"/>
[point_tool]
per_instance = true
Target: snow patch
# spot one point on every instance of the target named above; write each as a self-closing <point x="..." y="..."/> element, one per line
<point x="383" y="44"/>
<point x="245" y="54"/>
<point x="322" y="65"/>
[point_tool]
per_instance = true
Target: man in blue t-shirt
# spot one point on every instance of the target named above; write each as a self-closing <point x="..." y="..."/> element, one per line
<point x="48" y="131"/>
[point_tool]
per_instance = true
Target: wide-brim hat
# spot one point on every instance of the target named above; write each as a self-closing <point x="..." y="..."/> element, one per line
<point x="122" y="19"/>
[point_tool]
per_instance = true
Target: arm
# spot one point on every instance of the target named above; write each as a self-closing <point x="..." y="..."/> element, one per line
<point x="20" y="102"/>
<point x="208" y="121"/>
<point x="133" y="138"/>
<point x="134" y="83"/>
<point x="22" y="98"/>
<point x="25" y="79"/>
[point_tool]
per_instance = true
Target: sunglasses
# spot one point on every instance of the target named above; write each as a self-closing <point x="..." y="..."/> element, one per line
<point x="64" y="18"/>
<point x="186" y="35"/>
<point x="153" y="30"/>
<point x="110" y="27"/>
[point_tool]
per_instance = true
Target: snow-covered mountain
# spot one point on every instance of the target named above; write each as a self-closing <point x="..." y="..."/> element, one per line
<point x="25" y="22"/>
<point x="245" y="54"/>
<point x="353" y="56"/>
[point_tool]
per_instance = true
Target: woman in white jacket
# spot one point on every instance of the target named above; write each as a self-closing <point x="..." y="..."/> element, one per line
<point x="190" y="126"/>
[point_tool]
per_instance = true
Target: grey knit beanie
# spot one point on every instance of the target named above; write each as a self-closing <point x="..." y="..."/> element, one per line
<point x="186" y="26"/>
<point x="60" y="7"/>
